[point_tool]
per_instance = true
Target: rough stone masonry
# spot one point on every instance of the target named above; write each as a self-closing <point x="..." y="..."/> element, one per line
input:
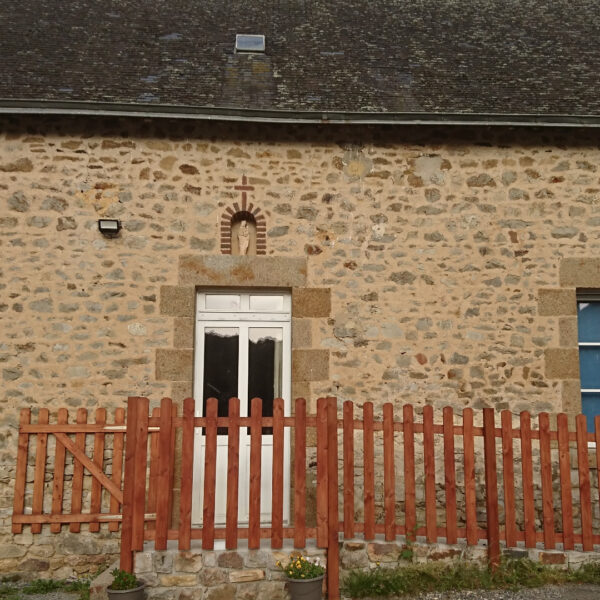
<point x="430" y="266"/>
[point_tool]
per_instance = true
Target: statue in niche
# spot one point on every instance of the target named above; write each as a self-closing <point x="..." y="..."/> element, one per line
<point x="243" y="235"/>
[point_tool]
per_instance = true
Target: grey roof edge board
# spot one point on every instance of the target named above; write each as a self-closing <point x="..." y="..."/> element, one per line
<point x="40" y="107"/>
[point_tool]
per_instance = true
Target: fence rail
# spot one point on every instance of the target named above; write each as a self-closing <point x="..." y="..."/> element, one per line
<point x="501" y="481"/>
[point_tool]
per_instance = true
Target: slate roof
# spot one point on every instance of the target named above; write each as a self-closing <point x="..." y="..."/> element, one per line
<point x="392" y="58"/>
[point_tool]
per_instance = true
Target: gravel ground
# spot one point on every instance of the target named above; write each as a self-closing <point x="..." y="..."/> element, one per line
<point x="550" y="592"/>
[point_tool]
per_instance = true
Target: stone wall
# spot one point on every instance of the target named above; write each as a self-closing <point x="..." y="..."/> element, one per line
<point x="440" y="265"/>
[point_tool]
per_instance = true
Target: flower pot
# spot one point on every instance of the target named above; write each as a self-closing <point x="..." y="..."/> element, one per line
<point x="306" y="589"/>
<point x="136" y="593"/>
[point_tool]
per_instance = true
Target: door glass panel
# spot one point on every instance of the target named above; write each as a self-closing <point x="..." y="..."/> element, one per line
<point x="265" y="354"/>
<point x="589" y="365"/>
<point x="266" y="303"/>
<point x="223" y="302"/>
<point x="221" y="358"/>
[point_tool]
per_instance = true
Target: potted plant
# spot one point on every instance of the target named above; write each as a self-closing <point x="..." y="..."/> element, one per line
<point x="304" y="577"/>
<point x="125" y="586"/>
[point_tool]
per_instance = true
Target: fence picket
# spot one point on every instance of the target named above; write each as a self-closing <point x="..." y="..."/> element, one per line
<point x="322" y="473"/>
<point x="527" y="479"/>
<point x="333" y="547"/>
<point x="546" y="468"/>
<point x="126" y="561"/>
<point x="39" y="470"/>
<point x="508" y="475"/>
<point x="410" y="517"/>
<point x="300" y="474"/>
<point x="348" y="442"/>
<point x="369" y="470"/>
<point x="233" y="474"/>
<point x="450" y="475"/>
<point x="141" y="460"/>
<point x="21" y="473"/>
<point x="469" y="468"/>
<point x="163" y="517"/>
<point x="389" y="481"/>
<point x="491" y="487"/>
<point x="210" y="474"/>
<point x="117" y="465"/>
<point x="585" y="495"/>
<point x="255" y="473"/>
<point x="77" y="485"/>
<point x="277" y="477"/>
<point x="96" y="500"/>
<point x="566" y="493"/>
<point x="187" y="466"/>
<point x="153" y="476"/>
<point x="58" y="483"/>
<point x="429" y="465"/>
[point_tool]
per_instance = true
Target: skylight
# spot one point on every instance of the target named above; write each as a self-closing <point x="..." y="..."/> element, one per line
<point x="245" y="42"/>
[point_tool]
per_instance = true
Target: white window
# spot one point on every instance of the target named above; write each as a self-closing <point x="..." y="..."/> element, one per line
<point x="243" y="350"/>
<point x="588" y="326"/>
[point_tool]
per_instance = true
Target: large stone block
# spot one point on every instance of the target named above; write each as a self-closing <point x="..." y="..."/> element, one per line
<point x="178" y="580"/>
<point x="174" y="365"/>
<point x="243" y="271"/>
<point x="562" y="363"/>
<point x="311" y="302"/>
<point x="177" y="301"/>
<point x="188" y="562"/>
<point x="301" y="333"/>
<point x="183" y="332"/>
<point x="557" y="302"/>
<point x="241" y="575"/>
<point x="567" y="332"/>
<point x="310" y="365"/>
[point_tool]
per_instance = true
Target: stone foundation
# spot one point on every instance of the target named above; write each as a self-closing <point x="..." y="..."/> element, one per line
<point x="244" y="574"/>
<point x="198" y="574"/>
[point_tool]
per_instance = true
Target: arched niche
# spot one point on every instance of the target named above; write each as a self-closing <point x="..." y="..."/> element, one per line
<point x="238" y="227"/>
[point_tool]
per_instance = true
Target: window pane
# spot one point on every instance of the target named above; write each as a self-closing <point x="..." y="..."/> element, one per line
<point x="221" y="357"/>
<point x="589" y="366"/>
<point x="222" y="302"/>
<point x="266" y="303"/>
<point x="588" y="321"/>
<point x="590" y="407"/>
<point x="265" y="354"/>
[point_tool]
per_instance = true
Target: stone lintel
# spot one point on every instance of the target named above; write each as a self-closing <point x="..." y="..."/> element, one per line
<point x="174" y="364"/>
<point x="310" y="365"/>
<point x="311" y="302"/>
<point x="580" y="272"/>
<point x="242" y="271"/>
<point x="562" y="363"/>
<point x="557" y="302"/>
<point x="177" y="301"/>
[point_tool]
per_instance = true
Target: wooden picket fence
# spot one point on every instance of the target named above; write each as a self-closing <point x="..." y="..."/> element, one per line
<point x="511" y="467"/>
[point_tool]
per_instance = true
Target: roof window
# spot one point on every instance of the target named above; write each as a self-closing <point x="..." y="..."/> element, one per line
<point x="245" y="42"/>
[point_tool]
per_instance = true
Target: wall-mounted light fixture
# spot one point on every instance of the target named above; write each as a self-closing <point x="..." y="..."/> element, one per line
<point x="109" y="227"/>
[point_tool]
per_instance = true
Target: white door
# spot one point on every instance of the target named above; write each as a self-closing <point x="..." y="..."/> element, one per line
<point x="243" y="350"/>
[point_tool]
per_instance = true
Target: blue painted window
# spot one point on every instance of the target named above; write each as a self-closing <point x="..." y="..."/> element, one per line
<point x="588" y="326"/>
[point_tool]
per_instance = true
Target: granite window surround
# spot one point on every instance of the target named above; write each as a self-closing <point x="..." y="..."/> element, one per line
<point x="576" y="276"/>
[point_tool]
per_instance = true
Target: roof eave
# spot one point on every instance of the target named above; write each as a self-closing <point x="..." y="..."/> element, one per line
<point x="74" y="108"/>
